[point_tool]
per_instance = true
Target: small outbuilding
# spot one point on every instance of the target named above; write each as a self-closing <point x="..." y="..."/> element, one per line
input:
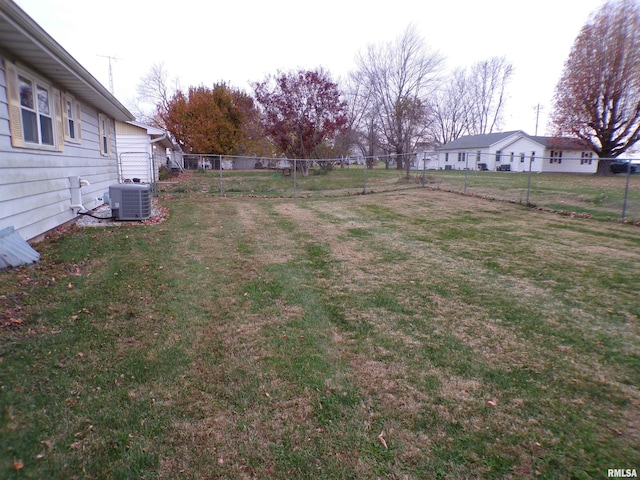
<point x="142" y="150"/>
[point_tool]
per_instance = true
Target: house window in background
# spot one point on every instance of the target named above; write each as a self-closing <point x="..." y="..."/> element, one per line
<point x="587" y="158"/>
<point x="555" y="156"/>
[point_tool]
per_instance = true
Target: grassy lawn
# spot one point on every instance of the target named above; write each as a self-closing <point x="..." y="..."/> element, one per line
<point x="409" y="334"/>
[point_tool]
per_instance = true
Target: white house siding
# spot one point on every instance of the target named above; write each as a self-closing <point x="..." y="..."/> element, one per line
<point x="571" y="163"/>
<point x="518" y="152"/>
<point x="425" y="159"/>
<point x="35" y="185"/>
<point x="134" y="152"/>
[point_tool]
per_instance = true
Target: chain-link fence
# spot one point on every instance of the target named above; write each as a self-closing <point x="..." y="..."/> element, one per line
<point x="566" y="184"/>
<point x="142" y="167"/>
<point x="571" y="185"/>
<point x="300" y="178"/>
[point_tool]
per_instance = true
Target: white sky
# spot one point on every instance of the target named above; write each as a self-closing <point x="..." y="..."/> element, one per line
<point x="241" y="41"/>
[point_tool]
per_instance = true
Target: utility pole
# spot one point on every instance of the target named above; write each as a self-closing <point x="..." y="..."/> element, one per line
<point x="110" y="71"/>
<point x="537" y="108"/>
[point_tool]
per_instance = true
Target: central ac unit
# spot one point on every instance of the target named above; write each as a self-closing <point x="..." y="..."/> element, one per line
<point x="130" y="201"/>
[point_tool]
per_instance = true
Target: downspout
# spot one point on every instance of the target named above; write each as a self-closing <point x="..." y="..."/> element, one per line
<point x="155" y="140"/>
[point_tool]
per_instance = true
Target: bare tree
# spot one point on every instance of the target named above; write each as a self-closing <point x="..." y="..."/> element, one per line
<point x="472" y="101"/>
<point x="398" y="77"/>
<point x="155" y="91"/>
<point x="487" y="82"/>
<point x="450" y="110"/>
<point x="363" y="117"/>
<point x="598" y="97"/>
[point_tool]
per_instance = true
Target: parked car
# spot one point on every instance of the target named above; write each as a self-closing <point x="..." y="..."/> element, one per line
<point x="623" y="167"/>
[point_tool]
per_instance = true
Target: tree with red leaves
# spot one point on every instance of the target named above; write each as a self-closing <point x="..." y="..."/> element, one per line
<point x="216" y="120"/>
<point x="301" y="111"/>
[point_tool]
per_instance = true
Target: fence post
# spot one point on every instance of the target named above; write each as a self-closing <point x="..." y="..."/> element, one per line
<point x="626" y="191"/>
<point x="220" y="168"/>
<point x="424" y="169"/>
<point x="466" y="171"/>
<point x="295" y="178"/>
<point x="364" y="191"/>
<point x="529" y="180"/>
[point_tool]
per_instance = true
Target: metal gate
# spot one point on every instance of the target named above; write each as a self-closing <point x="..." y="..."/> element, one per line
<point x="137" y="167"/>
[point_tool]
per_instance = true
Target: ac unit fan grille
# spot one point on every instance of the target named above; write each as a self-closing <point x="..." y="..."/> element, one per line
<point x="135" y="204"/>
<point x="130" y="202"/>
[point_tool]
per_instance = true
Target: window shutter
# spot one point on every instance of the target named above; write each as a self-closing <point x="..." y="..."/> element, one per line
<point x="108" y="122"/>
<point x="57" y="100"/>
<point x="78" y="122"/>
<point x="65" y="118"/>
<point x="13" y="96"/>
<point x="101" y="133"/>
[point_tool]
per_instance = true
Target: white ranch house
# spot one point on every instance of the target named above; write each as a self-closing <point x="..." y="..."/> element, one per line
<point x="57" y="130"/>
<point x="517" y="152"/>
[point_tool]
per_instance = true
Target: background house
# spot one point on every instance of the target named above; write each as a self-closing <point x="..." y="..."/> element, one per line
<point x="142" y="150"/>
<point x="57" y="133"/>
<point x="515" y="151"/>
<point x="426" y="157"/>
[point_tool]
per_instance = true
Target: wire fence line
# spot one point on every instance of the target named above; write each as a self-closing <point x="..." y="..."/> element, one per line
<point x="562" y="184"/>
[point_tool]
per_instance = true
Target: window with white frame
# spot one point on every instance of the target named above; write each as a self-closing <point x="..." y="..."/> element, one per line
<point x="72" y="119"/>
<point x="34" y="110"/>
<point x="446" y="157"/>
<point x="478" y="155"/>
<point x="521" y="157"/>
<point x="104" y="134"/>
<point x="462" y="156"/>
<point x="587" y="158"/>
<point x="498" y="155"/>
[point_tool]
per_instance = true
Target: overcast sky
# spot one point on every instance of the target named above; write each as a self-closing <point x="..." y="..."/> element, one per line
<point x="241" y="41"/>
